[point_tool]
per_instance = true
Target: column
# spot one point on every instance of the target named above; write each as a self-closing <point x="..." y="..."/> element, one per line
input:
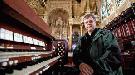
<point x="81" y="29"/>
<point x="70" y="37"/>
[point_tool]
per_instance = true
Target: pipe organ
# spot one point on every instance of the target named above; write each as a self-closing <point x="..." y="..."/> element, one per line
<point x="26" y="46"/>
<point x="123" y="27"/>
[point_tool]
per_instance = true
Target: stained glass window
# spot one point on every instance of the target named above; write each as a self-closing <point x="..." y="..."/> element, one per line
<point x="107" y="6"/>
<point x="105" y="9"/>
<point x="118" y="2"/>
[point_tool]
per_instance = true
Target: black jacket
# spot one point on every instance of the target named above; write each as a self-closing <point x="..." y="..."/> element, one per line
<point x="101" y="51"/>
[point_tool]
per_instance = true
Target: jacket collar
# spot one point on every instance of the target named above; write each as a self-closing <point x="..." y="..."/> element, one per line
<point x="99" y="32"/>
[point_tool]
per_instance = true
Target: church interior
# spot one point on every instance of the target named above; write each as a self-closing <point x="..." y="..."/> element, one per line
<point x="37" y="37"/>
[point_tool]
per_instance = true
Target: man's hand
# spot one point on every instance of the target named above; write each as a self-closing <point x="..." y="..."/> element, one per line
<point x="85" y="69"/>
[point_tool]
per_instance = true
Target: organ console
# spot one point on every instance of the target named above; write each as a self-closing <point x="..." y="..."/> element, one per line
<point x="26" y="46"/>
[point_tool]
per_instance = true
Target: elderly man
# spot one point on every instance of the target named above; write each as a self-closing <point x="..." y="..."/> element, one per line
<point x="97" y="52"/>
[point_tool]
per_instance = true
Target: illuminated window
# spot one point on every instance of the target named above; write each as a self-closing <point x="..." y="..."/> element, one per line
<point x="105" y="8"/>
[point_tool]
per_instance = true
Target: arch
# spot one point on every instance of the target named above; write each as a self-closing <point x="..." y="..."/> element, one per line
<point x="58" y="21"/>
<point x="57" y="13"/>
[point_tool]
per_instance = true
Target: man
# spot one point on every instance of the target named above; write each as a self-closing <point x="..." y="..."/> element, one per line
<point x="97" y="52"/>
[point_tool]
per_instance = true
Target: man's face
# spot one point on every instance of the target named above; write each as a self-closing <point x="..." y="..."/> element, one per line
<point x="90" y="24"/>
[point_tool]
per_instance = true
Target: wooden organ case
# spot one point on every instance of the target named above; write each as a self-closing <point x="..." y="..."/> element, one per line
<point x="123" y="27"/>
<point x="26" y="46"/>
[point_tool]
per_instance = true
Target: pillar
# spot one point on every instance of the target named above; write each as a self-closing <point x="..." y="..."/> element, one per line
<point x="81" y="30"/>
<point x="70" y="37"/>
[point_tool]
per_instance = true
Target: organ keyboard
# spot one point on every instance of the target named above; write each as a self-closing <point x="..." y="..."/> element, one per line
<point x="16" y="56"/>
<point x="30" y="70"/>
<point x="26" y="46"/>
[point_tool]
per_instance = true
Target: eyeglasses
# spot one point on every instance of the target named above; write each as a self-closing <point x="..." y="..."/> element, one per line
<point x="89" y="21"/>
